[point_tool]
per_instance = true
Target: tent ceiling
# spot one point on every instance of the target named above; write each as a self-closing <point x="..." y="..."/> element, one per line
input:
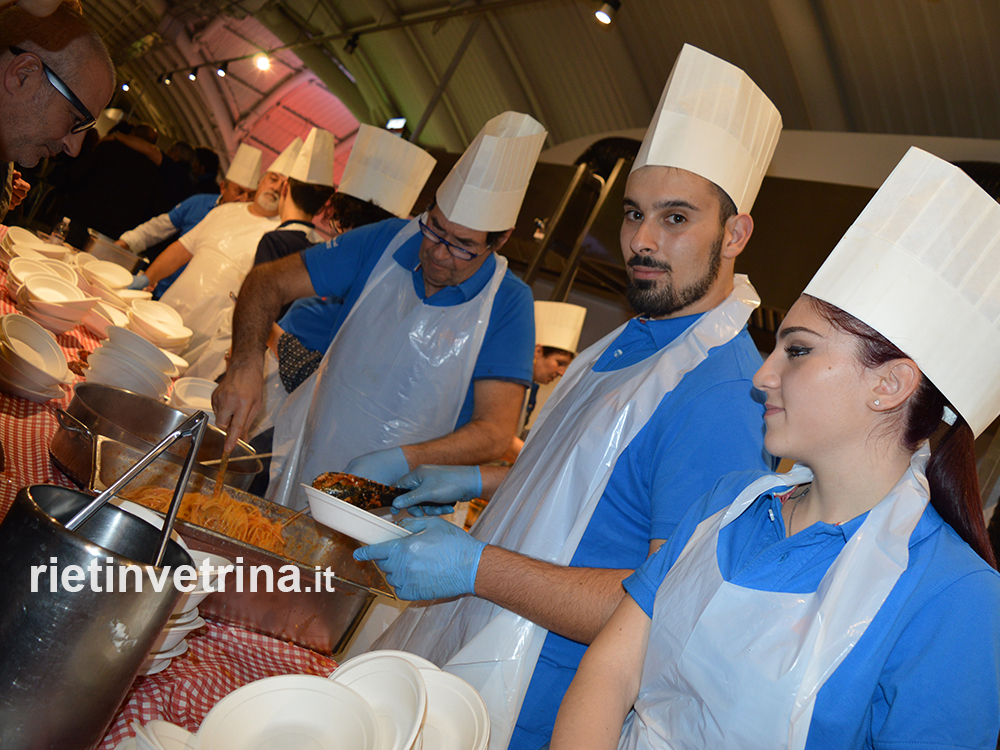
<point x="918" y="67"/>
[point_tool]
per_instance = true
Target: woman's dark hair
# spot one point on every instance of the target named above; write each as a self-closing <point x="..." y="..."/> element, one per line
<point x="951" y="470"/>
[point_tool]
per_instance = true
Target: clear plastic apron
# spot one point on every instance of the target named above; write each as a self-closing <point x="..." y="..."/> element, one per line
<point x="400" y="375"/>
<point x="733" y="667"/>
<point x="544" y="505"/>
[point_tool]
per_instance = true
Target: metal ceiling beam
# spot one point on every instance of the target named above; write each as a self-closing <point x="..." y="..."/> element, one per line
<point x="812" y="64"/>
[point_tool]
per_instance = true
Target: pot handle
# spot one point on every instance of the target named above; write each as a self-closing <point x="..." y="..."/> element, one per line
<point x="74" y="426"/>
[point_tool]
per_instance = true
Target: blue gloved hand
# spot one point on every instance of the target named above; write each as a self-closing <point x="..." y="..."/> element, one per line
<point x="438" y="561"/>
<point x="385" y="466"/>
<point x="435" y="489"/>
<point x="141" y="281"/>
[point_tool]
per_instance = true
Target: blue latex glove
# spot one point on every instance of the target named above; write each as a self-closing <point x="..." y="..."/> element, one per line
<point x="141" y="281"/>
<point x="385" y="466"/>
<point x="438" y="561"/>
<point x="435" y="489"/>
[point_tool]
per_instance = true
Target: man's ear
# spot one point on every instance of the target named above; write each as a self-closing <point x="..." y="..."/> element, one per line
<point x="736" y="234"/>
<point x="21" y="72"/>
<point x="503" y="239"/>
<point x="895" y="382"/>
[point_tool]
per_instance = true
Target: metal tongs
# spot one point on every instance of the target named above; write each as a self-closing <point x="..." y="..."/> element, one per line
<point x="194" y="428"/>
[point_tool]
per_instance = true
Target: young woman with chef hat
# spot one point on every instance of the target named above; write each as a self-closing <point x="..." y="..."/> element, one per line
<point x="834" y="606"/>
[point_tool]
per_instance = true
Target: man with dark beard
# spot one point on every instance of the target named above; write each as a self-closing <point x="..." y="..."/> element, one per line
<point x="641" y="425"/>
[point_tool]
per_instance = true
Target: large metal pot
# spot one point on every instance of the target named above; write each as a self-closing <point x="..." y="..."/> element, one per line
<point x="104" y="248"/>
<point x="103" y="411"/>
<point x="69" y="657"/>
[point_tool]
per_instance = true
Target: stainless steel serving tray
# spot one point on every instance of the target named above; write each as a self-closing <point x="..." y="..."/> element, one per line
<point x="321" y="621"/>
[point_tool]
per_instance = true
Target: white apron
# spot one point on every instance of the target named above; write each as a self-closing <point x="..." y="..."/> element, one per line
<point x="400" y="375"/>
<point x="733" y="667"/>
<point x="208" y="357"/>
<point x="544" y="505"/>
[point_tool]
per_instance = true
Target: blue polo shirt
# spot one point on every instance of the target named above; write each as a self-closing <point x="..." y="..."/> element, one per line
<point x="926" y="672"/>
<point x="709" y="425"/>
<point x="341" y="267"/>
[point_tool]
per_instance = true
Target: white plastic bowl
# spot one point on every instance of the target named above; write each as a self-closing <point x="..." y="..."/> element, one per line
<point x="158" y="331"/>
<point x="356" y="523"/>
<point x="130" y="341"/>
<point x="34" y="393"/>
<point x="62" y="269"/>
<point x="156" y="377"/>
<point x="180" y="364"/>
<point x="170" y="636"/>
<point x="157" y="312"/>
<point x="36" y="348"/>
<point x="22" y="236"/>
<point x="55" y="290"/>
<point x="193" y="393"/>
<point x="20" y="268"/>
<point x="290" y="711"/>
<point x="456" y="714"/>
<point x="111" y="274"/>
<point x="58" y="326"/>
<point x="108" y="371"/>
<point x="396" y="692"/>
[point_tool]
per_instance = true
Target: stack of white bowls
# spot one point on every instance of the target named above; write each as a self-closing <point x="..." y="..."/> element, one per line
<point x="32" y="365"/>
<point x="160" y="324"/>
<point x="128" y="361"/>
<point x="383" y="700"/>
<point x="102" y="315"/>
<point x="108" y="281"/>
<point x="21" y="242"/>
<point x="53" y="302"/>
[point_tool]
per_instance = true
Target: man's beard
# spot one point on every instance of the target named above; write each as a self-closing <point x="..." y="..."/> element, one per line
<point x="646" y="298"/>
<point x="268" y="201"/>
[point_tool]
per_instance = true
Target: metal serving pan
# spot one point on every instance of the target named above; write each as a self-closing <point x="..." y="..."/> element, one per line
<point x="138" y="421"/>
<point x="322" y="621"/>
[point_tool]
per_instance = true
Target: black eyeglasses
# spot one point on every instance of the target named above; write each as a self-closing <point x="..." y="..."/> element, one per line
<point x="459" y="252"/>
<point x="59" y="85"/>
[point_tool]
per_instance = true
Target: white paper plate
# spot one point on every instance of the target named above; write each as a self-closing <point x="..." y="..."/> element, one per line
<point x="396" y="692"/>
<point x="290" y="711"/>
<point x="171" y="736"/>
<point x="358" y="524"/>
<point x="456" y="717"/>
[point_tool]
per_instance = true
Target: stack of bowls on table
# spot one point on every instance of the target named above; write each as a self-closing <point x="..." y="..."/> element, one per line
<point x="129" y="361"/>
<point x="159" y="323"/>
<point x="382" y="700"/>
<point x="193" y="394"/>
<point x="108" y="281"/>
<point x="32" y="365"/>
<point x="20" y="268"/>
<point x="102" y="315"/>
<point x="53" y="302"/>
<point x="21" y="242"/>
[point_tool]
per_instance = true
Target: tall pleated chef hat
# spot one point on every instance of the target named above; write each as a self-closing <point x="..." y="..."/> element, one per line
<point x="314" y="164"/>
<point x="559" y="324"/>
<point x="485" y="188"/>
<point x="921" y="265"/>
<point x="245" y="169"/>
<point x="386" y="170"/>
<point x="714" y="121"/>
<point x="283" y="164"/>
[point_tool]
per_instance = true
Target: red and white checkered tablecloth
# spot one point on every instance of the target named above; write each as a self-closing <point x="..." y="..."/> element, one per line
<point x="221" y="658"/>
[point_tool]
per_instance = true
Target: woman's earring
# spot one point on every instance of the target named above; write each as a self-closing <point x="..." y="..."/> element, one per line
<point x="877" y="402"/>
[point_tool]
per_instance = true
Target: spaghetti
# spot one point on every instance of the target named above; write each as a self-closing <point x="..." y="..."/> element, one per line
<point x="222" y="513"/>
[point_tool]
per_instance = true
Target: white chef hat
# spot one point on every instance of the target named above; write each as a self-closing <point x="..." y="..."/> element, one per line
<point x="714" y="121"/>
<point x="386" y="170"/>
<point x="245" y="169"/>
<point x="283" y="164"/>
<point x="314" y="164"/>
<point x="485" y="188"/>
<point x="559" y="324"/>
<point x="921" y="265"/>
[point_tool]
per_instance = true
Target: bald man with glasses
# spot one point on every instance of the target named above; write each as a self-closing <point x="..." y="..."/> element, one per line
<point x="57" y="77"/>
<point x="434" y="342"/>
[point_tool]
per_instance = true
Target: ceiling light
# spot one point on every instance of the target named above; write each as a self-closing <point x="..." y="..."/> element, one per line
<point x="193" y="75"/>
<point x="262" y="61"/>
<point x="125" y="86"/>
<point x="221" y="70"/>
<point x="168" y="78"/>
<point x="606" y="14"/>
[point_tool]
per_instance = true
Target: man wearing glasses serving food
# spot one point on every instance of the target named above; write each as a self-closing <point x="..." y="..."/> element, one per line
<point x="434" y="342"/>
<point x="57" y="77"/>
